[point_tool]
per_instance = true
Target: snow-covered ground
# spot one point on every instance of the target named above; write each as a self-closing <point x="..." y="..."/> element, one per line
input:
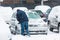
<point x="4" y="32"/>
<point x="5" y="29"/>
<point x="49" y="36"/>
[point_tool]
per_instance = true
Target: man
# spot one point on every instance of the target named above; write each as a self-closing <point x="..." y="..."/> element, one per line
<point x="23" y="20"/>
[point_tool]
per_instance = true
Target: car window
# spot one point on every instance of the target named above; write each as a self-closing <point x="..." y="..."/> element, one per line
<point x="48" y="11"/>
<point x="39" y="12"/>
<point x="33" y="15"/>
<point x="14" y="15"/>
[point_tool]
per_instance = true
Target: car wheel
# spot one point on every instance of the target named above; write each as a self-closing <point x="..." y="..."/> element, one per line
<point x="14" y="33"/>
<point x="58" y="27"/>
<point x="51" y="29"/>
<point x="48" y="22"/>
<point x="59" y="24"/>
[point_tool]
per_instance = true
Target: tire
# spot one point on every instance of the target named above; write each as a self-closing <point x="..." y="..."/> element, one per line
<point x="48" y="22"/>
<point x="58" y="26"/>
<point x="51" y="29"/>
<point x="14" y="33"/>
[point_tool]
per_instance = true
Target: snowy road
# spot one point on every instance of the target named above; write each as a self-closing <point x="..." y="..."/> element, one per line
<point x="49" y="36"/>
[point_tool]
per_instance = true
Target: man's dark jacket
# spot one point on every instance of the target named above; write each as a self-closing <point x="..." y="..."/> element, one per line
<point x="21" y="16"/>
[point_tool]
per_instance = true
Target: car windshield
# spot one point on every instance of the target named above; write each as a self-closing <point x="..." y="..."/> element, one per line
<point x="39" y="12"/>
<point x="33" y="15"/>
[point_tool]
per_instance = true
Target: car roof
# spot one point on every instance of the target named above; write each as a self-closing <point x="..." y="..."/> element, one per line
<point x="4" y="30"/>
<point x="54" y="12"/>
<point x="20" y="8"/>
<point x="43" y="8"/>
<point x="6" y="12"/>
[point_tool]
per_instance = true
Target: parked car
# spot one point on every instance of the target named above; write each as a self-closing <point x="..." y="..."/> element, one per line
<point x="13" y="22"/>
<point x="54" y="19"/>
<point x="44" y="9"/>
<point x="6" y="13"/>
<point x="5" y="33"/>
<point x="36" y="24"/>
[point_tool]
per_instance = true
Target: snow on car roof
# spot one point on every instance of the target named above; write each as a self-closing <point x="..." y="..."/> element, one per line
<point x="54" y="12"/>
<point x="21" y="8"/>
<point x="6" y="12"/>
<point x="43" y="8"/>
<point x="4" y="30"/>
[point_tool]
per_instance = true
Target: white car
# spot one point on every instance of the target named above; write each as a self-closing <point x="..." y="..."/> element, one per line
<point x="13" y="22"/>
<point x="54" y="18"/>
<point x="6" y="13"/>
<point x="5" y="33"/>
<point x="20" y="8"/>
<point x="36" y="24"/>
<point x="44" y="9"/>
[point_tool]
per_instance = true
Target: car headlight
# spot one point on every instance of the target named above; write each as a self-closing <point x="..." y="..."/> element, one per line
<point x="45" y="25"/>
<point x="30" y="25"/>
<point x="33" y="25"/>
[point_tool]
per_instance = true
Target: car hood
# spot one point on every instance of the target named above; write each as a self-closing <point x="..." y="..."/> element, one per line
<point x="36" y="21"/>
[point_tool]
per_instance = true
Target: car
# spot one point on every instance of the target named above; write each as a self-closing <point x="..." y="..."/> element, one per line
<point x="36" y="24"/>
<point x="5" y="33"/>
<point x="54" y="19"/>
<point x="44" y="9"/>
<point x="6" y="13"/>
<point x="13" y="22"/>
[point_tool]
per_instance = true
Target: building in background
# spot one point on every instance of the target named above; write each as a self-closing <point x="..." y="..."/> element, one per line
<point x="52" y="3"/>
<point x="29" y="3"/>
<point x="10" y="1"/>
<point x="25" y="3"/>
<point x="20" y="1"/>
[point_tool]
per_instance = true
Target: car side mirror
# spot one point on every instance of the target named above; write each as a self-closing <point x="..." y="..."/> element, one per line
<point x="56" y="16"/>
<point x="48" y="22"/>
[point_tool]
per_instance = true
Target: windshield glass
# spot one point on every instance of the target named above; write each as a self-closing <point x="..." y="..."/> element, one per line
<point x="33" y="15"/>
<point x="39" y="12"/>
